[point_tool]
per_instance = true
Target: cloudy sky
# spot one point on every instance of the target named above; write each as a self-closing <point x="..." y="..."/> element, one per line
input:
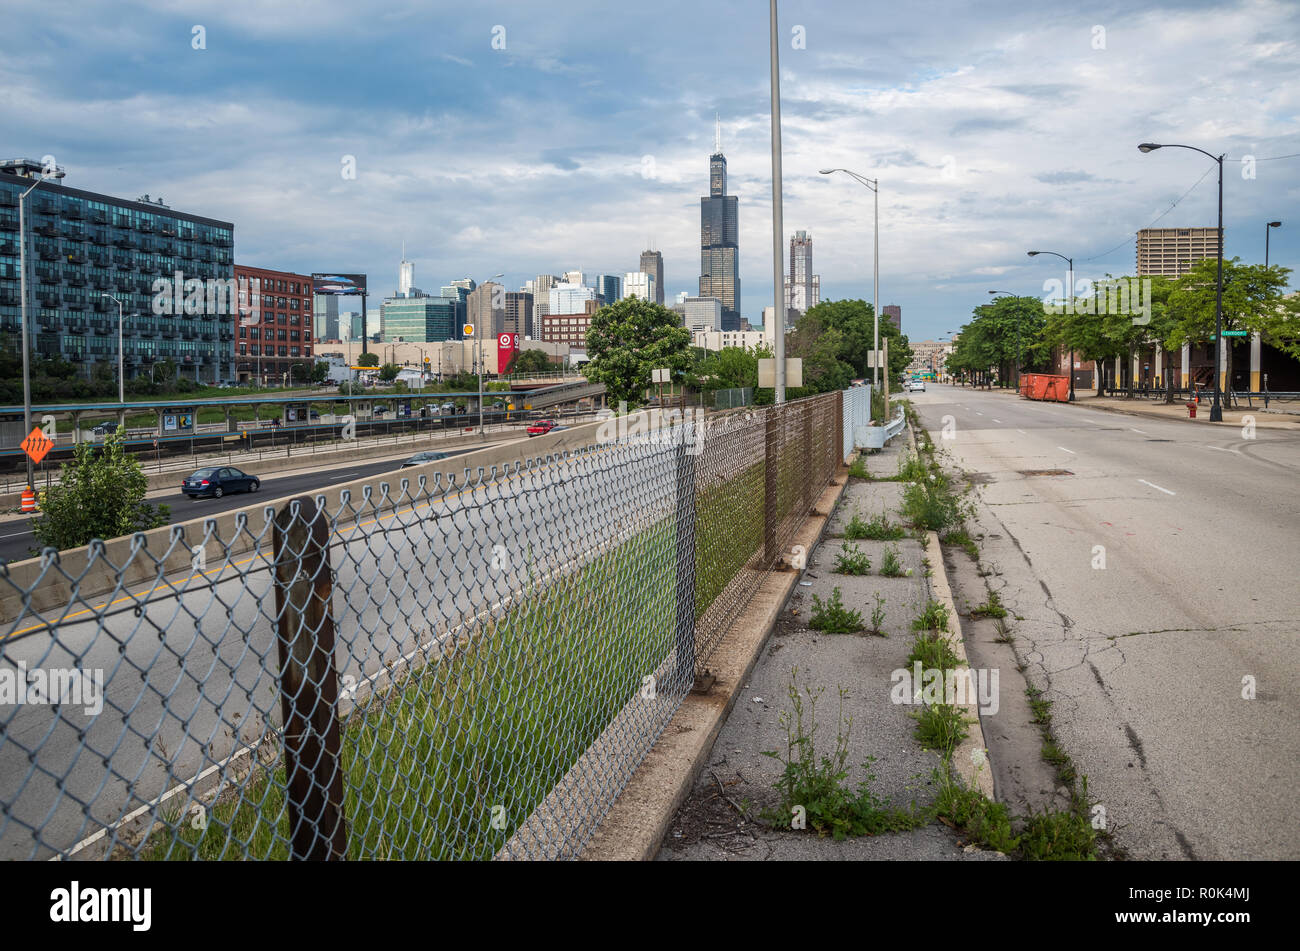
<point x="993" y="127"/>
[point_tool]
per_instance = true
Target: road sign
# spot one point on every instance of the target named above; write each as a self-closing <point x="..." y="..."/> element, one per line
<point x="1236" y="333"/>
<point x="469" y="330"/>
<point x="37" y="444"/>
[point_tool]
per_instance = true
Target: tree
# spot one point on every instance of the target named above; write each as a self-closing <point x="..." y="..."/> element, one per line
<point x="728" y="368"/>
<point x="529" y="361"/>
<point x="368" y="360"/>
<point x="819" y="347"/>
<point x="100" y="494"/>
<point x="388" y="372"/>
<point x="627" y="340"/>
<point x="320" y="372"/>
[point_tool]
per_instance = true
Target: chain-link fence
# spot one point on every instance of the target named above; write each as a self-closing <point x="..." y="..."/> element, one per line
<point x="437" y="667"/>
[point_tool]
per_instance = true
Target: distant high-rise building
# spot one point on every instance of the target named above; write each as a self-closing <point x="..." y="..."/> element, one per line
<point x="325" y="308"/>
<point x="702" y="314"/>
<point x="652" y="263"/>
<point x="894" y="313"/>
<point x="460" y="294"/>
<point x="719" y="239"/>
<point x="803" y="288"/>
<point x="487" y="310"/>
<point x="405" y="276"/>
<point x="642" y="285"/>
<point x="542" y="285"/>
<point x="609" y="288"/>
<point x="352" y="325"/>
<point x="519" y="313"/>
<point x="416" y="318"/>
<point x="1172" y="251"/>
<point x="568" y="298"/>
<point x="573" y="277"/>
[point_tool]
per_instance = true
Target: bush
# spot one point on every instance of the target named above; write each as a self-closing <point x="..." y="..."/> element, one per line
<point x="931" y="505"/>
<point x="832" y="617"/>
<point x="100" y="494"/>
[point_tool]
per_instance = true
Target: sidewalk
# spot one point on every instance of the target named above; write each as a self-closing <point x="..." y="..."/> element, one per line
<point x="722" y="817"/>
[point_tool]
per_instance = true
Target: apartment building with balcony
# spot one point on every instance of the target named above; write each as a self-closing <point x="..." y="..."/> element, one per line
<point x="82" y="245"/>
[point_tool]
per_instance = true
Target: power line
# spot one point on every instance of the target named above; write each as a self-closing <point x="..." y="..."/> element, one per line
<point x="1157" y="217"/>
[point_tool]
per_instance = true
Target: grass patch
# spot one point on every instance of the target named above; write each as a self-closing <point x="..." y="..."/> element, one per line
<point x="814" y="787"/>
<point x="931" y="505"/>
<point x="877" y="529"/>
<point x="1004" y="635"/>
<point x="1042" y="709"/>
<point x="858" y="469"/>
<point x="912" y="469"/>
<point x="832" y="617"/>
<point x="990" y="608"/>
<point x="851" y="561"/>
<point x="961" y="538"/>
<point x="933" y="618"/>
<point x="892" y="566"/>
<point x="933" y="650"/>
<point x="941" y="727"/>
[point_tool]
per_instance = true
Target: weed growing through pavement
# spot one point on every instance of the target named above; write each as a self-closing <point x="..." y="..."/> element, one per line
<point x="933" y="650"/>
<point x="892" y="566"/>
<point x="851" y="561"/>
<point x="1004" y="635"/>
<point x="877" y="529"/>
<point x="878" y="617"/>
<point x="941" y="727"/>
<point x="858" y="469"/>
<point x="990" y="608"/>
<point x="933" y="618"/>
<point x="832" y="617"/>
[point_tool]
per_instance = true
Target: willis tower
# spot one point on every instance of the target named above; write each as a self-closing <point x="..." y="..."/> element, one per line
<point x="719" y="249"/>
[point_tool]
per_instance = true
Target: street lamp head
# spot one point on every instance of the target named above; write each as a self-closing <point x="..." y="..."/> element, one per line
<point x="826" y="171"/>
<point x="1032" y="253"/>
<point x="1275" y="224"/>
<point x="1148" y="147"/>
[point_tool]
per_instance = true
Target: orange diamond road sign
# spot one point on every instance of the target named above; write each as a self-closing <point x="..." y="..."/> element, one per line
<point x="37" y="444"/>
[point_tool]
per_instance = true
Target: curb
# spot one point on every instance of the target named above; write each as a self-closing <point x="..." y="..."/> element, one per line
<point x="634" y="828"/>
<point x="971" y="757"/>
<point x="1283" y="424"/>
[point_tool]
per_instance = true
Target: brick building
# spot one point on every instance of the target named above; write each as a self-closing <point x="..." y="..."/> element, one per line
<point x="274" y="330"/>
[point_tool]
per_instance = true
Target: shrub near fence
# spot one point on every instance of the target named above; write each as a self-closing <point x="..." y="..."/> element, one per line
<point x="471" y="669"/>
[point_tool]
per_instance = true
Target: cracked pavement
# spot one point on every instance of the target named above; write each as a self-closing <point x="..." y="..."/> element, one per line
<point x="1155" y="588"/>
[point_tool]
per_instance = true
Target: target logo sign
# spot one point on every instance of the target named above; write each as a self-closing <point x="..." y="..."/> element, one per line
<point x="507" y="344"/>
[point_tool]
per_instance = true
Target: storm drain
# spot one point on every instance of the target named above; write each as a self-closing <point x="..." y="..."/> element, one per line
<point x="1045" y="472"/>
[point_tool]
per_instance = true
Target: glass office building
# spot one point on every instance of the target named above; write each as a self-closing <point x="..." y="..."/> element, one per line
<point x="719" y="244"/>
<point x="81" y="245"/>
<point x="420" y="319"/>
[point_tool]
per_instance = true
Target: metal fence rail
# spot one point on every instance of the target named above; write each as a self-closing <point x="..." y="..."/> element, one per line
<point x="440" y="668"/>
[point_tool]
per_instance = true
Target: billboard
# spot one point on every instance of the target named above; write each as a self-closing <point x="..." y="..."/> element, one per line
<point x="339" y="285"/>
<point x="507" y="344"/>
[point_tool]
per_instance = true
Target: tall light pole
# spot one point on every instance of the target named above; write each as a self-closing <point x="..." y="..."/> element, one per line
<point x="874" y="185"/>
<point x="53" y="172"/>
<point x="478" y="347"/>
<point x="1268" y="230"/>
<point x="1069" y="277"/>
<point x="1009" y="294"/>
<point x="121" y="378"/>
<point x="778" y="252"/>
<point x="1216" y="410"/>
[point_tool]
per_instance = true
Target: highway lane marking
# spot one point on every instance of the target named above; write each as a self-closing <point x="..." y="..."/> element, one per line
<point x="1070" y="451"/>
<point x="997" y="421"/>
<point x="1139" y="431"/>
<point x="978" y="413"/>
<point x="1221" y="449"/>
<point x="1022" y="432"/>
<point x="18" y="535"/>
<point x="1154" y="486"/>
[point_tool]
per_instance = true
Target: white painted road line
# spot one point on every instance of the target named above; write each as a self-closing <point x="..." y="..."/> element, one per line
<point x="1154" y="486"/>
<point x="1022" y="432"/>
<point x="1070" y="451"/>
<point x="997" y="421"/>
<point x="1137" y="431"/>
<point x="1221" y="449"/>
<point x="977" y="413"/>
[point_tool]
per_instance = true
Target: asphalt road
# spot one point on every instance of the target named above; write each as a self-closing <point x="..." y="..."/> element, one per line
<point x="190" y="665"/>
<point x="1150" y="656"/>
<point x="17" y="543"/>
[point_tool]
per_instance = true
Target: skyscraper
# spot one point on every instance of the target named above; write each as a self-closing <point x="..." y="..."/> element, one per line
<point x="642" y="285"/>
<point x="719" y="245"/>
<point x="609" y="287"/>
<point x="1173" y="251"/>
<point x="405" y="275"/>
<point x="894" y="314"/>
<point x="802" y="286"/>
<point x="519" y="313"/>
<point x="652" y="263"/>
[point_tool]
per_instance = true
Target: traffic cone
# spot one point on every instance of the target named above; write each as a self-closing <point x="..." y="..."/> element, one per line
<point x="29" y="500"/>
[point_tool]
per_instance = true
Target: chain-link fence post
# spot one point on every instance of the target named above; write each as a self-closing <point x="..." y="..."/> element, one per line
<point x="810" y="491"/>
<point x="685" y="615"/>
<point x="837" y="425"/>
<point x="309" y="683"/>
<point x="771" y="476"/>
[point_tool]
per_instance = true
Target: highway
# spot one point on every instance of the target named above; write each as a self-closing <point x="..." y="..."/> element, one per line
<point x="190" y="666"/>
<point x="17" y="543"/>
<point x="1174" y="663"/>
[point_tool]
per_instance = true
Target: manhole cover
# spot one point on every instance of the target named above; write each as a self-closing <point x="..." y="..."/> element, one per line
<point x="1045" y="472"/>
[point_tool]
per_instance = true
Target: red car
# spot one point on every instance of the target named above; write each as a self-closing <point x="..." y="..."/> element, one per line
<point x="541" y="427"/>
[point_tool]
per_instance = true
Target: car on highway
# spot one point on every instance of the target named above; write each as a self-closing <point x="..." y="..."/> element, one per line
<point x="916" y="385"/>
<point x="541" y="427"/>
<point x="420" y="458"/>
<point x="217" y="481"/>
<point x="448" y="408"/>
<point x="104" y="429"/>
<point x="380" y="410"/>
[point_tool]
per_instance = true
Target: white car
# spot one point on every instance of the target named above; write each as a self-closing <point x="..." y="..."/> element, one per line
<point x="915" y="385"/>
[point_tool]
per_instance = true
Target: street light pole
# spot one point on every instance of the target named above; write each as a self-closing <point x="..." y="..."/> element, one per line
<point x="1268" y="230"/>
<point x="121" y="380"/>
<point x="1216" y="410"/>
<point x="874" y="185"/>
<point x="778" y="254"/>
<point x="1069" y="276"/>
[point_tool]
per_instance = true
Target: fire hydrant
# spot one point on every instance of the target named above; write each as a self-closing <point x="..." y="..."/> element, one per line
<point x="1191" y="410"/>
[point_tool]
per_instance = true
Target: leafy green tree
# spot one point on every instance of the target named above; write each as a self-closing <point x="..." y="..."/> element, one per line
<point x="320" y="371"/>
<point x="819" y="347"/>
<point x="388" y="372"/>
<point x="627" y="340"/>
<point x="100" y="494"/>
<point x="368" y="360"/>
<point x="728" y="368"/>
<point x="530" y="361"/>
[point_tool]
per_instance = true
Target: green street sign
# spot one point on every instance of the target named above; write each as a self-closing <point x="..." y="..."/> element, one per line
<point x="1236" y="333"/>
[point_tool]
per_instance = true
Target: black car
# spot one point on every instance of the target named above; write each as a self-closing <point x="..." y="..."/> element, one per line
<point x="420" y="458"/>
<point x="217" y="481"/>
